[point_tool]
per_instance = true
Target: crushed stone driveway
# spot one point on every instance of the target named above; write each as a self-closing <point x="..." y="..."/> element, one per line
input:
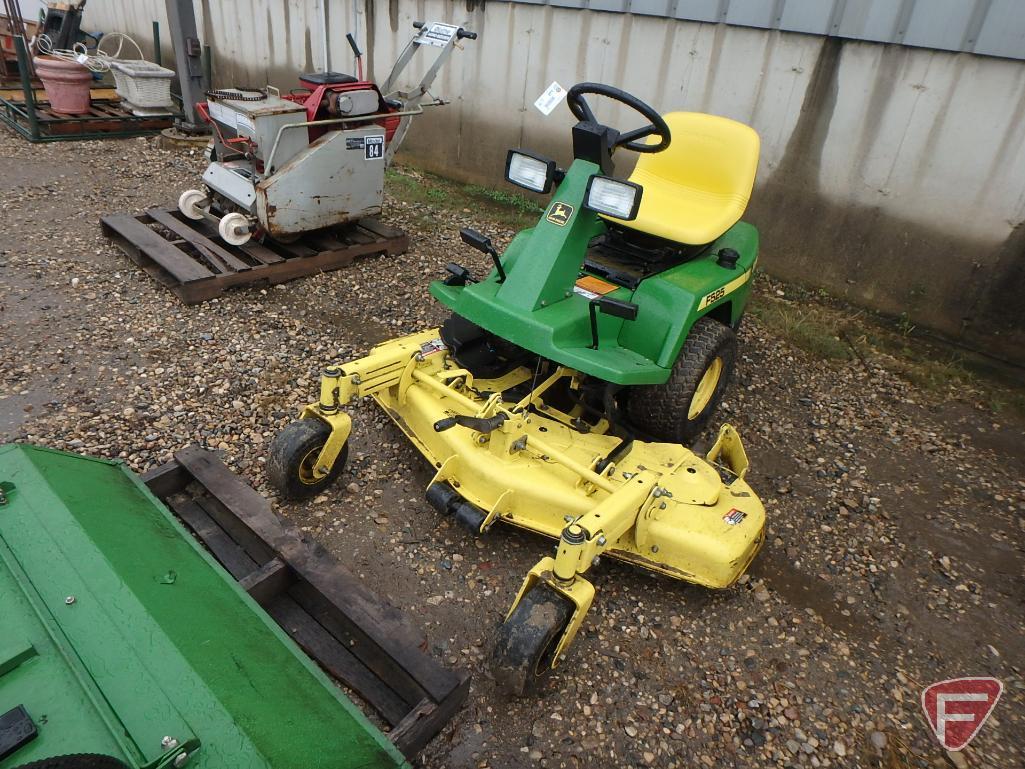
<point x="894" y="554"/>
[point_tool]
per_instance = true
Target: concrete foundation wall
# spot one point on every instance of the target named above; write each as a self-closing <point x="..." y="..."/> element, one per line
<point x="891" y="176"/>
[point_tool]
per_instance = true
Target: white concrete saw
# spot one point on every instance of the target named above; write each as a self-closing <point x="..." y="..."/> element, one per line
<point x="285" y="164"/>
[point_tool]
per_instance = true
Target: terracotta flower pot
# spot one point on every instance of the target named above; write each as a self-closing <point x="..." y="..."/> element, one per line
<point x="66" y="84"/>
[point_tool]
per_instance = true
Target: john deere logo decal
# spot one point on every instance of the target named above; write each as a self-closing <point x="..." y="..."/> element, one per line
<point x="560" y="213"/>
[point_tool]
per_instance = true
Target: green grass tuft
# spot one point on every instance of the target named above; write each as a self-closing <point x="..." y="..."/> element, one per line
<point x="503" y="207"/>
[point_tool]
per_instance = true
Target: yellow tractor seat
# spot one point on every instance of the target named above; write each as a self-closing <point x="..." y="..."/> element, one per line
<point x="698" y="187"/>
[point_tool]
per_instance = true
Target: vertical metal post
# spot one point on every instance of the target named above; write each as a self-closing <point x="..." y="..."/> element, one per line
<point x="208" y="66"/>
<point x="188" y="57"/>
<point x="324" y="33"/>
<point x="26" y="87"/>
<point x="156" y="43"/>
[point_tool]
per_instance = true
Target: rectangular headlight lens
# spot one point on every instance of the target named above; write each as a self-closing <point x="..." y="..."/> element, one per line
<point x="613" y="197"/>
<point x="531" y="173"/>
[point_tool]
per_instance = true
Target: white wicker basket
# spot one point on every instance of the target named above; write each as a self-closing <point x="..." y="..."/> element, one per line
<point x="143" y="83"/>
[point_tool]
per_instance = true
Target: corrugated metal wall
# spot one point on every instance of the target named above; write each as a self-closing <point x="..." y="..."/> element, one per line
<point x="985" y="27"/>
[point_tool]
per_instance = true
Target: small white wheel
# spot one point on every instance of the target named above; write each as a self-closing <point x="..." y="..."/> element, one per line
<point x="234" y="229"/>
<point x="193" y="203"/>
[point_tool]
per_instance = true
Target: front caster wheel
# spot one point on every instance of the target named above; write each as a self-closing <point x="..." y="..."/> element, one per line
<point x="234" y="229"/>
<point x="527" y="641"/>
<point x="193" y="203"/>
<point x="292" y="454"/>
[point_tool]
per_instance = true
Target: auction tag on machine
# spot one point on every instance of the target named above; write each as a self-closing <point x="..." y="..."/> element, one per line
<point x="437" y="34"/>
<point x="550" y="99"/>
<point x="373" y="147"/>
<point x="591" y="287"/>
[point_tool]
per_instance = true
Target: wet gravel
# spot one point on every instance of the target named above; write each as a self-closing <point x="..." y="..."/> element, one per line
<point x="896" y="517"/>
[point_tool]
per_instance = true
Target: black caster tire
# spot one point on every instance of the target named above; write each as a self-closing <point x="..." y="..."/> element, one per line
<point x="75" y="761"/>
<point x="527" y="640"/>
<point x="291" y="457"/>
<point x="679" y="410"/>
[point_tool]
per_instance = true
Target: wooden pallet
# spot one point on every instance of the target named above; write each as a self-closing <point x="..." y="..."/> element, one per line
<point x="189" y="258"/>
<point x="355" y="636"/>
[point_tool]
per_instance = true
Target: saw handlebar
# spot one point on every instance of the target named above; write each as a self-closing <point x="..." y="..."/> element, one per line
<point x="461" y="34"/>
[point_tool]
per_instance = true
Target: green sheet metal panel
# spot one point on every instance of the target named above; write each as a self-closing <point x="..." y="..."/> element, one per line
<point x="157" y="641"/>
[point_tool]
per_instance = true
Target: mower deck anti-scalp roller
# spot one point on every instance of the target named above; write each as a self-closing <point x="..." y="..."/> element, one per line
<point x="562" y="393"/>
<point x="124" y="637"/>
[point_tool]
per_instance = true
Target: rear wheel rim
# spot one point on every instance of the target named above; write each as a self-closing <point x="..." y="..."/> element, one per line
<point x="706" y="388"/>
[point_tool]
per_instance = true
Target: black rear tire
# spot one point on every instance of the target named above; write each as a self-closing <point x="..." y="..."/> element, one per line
<point x="291" y="457"/>
<point x="527" y="640"/>
<point x="675" y="411"/>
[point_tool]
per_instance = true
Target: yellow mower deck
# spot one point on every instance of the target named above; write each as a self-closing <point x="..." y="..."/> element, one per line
<point x="660" y="506"/>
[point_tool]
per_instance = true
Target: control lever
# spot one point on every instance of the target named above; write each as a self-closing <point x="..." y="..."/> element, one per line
<point x="478" y="424"/>
<point x="457" y="275"/>
<point x="482" y="243"/>
<point x="609" y="306"/>
<point x="357" y="53"/>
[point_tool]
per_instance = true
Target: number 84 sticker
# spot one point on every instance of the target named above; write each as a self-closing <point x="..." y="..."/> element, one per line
<point x="373" y="147"/>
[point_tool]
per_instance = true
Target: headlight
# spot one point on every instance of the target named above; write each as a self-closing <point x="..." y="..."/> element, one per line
<point x="613" y="197"/>
<point x="530" y="172"/>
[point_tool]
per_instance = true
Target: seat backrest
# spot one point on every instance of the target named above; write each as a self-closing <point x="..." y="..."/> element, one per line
<point x="707" y="153"/>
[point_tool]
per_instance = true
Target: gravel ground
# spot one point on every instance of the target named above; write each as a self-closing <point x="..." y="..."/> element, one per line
<point x="896" y="518"/>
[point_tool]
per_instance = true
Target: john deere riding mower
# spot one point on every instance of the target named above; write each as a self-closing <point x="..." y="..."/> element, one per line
<point x="563" y="391"/>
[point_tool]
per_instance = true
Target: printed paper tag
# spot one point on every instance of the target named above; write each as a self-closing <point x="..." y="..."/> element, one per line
<point x="550" y="99"/>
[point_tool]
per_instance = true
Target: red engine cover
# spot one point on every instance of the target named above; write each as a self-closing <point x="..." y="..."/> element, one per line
<point x="312" y="102"/>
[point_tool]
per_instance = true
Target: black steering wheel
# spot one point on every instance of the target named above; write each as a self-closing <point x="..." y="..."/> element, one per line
<point x="630" y="140"/>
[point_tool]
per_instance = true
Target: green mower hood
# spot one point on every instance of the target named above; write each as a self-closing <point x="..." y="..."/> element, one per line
<point x="543" y="306"/>
<point x="121" y="636"/>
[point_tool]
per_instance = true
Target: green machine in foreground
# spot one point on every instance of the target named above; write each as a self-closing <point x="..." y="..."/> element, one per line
<point x="122" y="637"/>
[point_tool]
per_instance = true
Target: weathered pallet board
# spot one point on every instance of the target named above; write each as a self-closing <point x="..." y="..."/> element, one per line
<point x="354" y="635"/>
<point x="189" y="258"/>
